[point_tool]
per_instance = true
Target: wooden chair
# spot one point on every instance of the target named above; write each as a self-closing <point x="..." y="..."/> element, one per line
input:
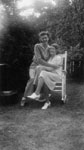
<point x="61" y="86"/>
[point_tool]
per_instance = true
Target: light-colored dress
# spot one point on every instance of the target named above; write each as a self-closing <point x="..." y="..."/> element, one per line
<point x="51" y="78"/>
<point x="39" y="53"/>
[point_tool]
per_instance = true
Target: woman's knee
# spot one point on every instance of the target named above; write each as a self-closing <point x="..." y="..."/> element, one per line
<point x="38" y="69"/>
<point x="43" y="73"/>
<point x="32" y="73"/>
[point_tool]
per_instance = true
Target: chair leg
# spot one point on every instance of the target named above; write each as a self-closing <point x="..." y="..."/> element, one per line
<point x="64" y="96"/>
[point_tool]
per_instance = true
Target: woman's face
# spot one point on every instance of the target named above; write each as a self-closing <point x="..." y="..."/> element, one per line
<point x="44" y="39"/>
<point x="52" y="51"/>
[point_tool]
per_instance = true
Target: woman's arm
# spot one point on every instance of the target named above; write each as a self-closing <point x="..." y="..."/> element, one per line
<point x="47" y="68"/>
<point x="38" y="58"/>
<point x="56" y="63"/>
<point x="44" y="63"/>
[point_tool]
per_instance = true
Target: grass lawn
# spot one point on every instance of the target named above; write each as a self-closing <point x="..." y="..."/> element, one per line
<point x="60" y="127"/>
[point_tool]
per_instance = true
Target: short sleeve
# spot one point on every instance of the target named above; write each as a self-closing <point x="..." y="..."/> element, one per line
<point x="37" y="52"/>
<point x="58" y="60"/>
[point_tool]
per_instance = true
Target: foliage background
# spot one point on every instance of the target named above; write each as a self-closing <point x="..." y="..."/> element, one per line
<point x="65" y="22"/>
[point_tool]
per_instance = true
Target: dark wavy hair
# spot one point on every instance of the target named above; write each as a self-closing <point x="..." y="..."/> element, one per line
<point x="42" y="33"/>
<point x="56" y="46"/>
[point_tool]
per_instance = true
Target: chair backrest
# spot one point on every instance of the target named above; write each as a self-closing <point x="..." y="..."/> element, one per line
<point x="64" y="56"/>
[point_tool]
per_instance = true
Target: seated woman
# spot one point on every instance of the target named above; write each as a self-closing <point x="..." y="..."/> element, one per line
<point x="41" y="56"/>
<point x="49" y="75"/>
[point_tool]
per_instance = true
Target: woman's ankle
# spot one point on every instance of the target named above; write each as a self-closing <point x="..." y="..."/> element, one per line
<point x="48" y="101"/>
<point x="23" y="98"/>
<point x="37" y="93"/>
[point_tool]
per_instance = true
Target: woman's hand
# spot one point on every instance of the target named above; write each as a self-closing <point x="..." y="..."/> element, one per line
<point x="41" y="68"/>
<point x="48" y="69"/>
<point x="56" y="67"/>
<point x="35" y="60"/>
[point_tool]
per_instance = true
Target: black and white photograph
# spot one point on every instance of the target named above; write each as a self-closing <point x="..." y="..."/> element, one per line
<point x="41" y="74"/>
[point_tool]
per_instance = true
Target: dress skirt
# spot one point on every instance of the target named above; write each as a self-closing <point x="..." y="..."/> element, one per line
<point x="50" y="78"/>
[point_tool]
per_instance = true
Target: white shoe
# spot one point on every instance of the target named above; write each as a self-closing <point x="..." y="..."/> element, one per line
<point x="34" y="96"/>
<point x="46" y="105"/>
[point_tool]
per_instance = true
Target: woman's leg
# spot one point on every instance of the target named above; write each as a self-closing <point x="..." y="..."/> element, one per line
<point x="38" y="70"/>
<point x="47" y="102"/>
<point x="36" y="94"/>
<point x="46" y="92"/>
<point x="39" y="86"/>
<point x="29" y="88"/>
<point x="38" y="90"/>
